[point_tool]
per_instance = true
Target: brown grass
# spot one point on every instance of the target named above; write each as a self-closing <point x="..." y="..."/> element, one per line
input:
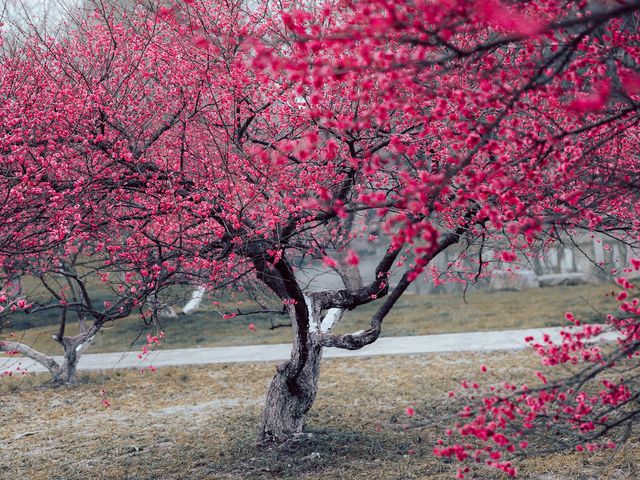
<point x="200" y="423"/>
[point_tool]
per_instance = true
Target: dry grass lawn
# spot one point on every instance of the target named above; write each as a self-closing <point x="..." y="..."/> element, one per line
<point x="200" y="423"/>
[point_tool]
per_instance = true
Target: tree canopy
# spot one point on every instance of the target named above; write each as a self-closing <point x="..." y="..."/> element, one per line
<point x="210" y="143"/>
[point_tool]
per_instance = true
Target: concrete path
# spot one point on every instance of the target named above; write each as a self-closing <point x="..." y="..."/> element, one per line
<point x="453" y="342"/>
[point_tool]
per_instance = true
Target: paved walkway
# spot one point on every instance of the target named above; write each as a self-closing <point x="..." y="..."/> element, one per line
<point x="453" y="342"/>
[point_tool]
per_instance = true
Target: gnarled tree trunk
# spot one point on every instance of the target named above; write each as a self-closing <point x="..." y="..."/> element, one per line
<point x="289" y="400"/>
<point x="65" y="374"/>
<point x="294" y="387"/>
<point x="73" y="347"/>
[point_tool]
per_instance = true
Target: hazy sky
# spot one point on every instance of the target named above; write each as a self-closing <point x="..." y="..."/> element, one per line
<point x="40" y="12"/>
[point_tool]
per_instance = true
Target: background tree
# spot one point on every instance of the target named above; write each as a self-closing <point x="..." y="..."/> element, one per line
<point x="59" y="181"/>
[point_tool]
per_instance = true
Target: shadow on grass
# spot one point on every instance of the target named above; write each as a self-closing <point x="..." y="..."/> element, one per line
<point x="321" y="453"/>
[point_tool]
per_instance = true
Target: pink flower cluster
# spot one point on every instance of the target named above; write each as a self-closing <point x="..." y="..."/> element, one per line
<point x="584" y="406"/>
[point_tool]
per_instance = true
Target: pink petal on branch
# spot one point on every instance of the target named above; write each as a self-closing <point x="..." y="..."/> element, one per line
<point x="591" y="102"/>
<point x="329" y="262"/>
<point x="200" y="41"/>
<point x="630" y="81"/>
<point x="165" y="12"/>
<point x="509" y="19"/>
<point x="587" y="103"/>
<point x="508" y="256"/>
<point x="352" y="258"/>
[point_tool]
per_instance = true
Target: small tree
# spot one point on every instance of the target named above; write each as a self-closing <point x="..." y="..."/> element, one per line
<point x="56" y="172"/>
<point x="73" y="287"/>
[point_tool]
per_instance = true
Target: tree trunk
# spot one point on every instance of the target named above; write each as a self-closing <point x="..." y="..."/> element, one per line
<point x="294" y="387"/>
<point x="66" y="374"/>
<point x="73" y="347"/>
<point x="288" y="400"/>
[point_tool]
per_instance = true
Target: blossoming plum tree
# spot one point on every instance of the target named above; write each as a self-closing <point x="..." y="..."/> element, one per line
<point x="478" y="121"/>
<point x="224" y="142"/>
<point x="521" y="107"/>
<point x="57" y="178"/>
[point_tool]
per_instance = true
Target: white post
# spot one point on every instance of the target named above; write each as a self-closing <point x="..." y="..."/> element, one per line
<point x="196" y="299"/>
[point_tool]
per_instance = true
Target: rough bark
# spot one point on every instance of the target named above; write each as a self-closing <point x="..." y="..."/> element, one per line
<point x="293" y="388"/>
<point x="73" y="349"/>
<point x="288" y="400"/>
<point x="292" y="391"/>
<point x="66" y="373"/>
